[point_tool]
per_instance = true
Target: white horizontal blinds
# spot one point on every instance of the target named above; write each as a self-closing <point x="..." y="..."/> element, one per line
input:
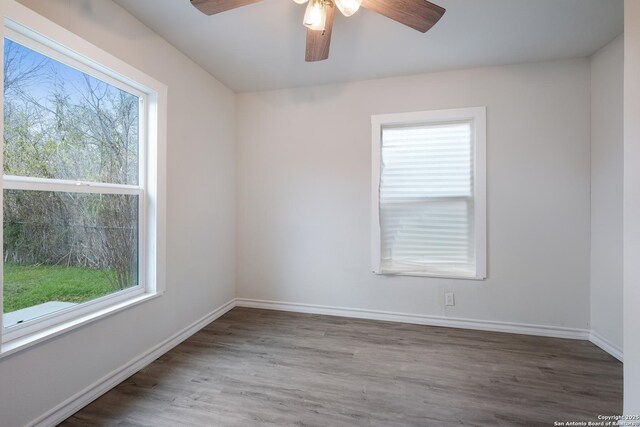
<point x="426" y="199"/>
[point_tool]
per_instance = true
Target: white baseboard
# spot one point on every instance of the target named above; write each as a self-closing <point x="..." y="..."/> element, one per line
<point x="449" y="322"/>
<point x="606" y="345"/>
<point x="97" y="389"/>
<point x="420" y="319"/>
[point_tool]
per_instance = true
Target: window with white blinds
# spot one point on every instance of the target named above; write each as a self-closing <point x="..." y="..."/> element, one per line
<point x="428" y="189"/>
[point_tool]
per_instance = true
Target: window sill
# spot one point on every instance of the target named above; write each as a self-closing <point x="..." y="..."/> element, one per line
<point x="433" y="275"/>
<point x="15" y="345"/>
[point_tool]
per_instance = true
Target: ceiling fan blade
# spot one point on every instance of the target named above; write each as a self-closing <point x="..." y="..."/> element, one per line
<point x="211" y="7"/>
<point x="417" y="14"/>
<point x="318" y="41"/>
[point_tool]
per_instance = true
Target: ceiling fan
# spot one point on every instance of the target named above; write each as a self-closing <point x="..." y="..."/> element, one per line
<point x="318" y="18"/>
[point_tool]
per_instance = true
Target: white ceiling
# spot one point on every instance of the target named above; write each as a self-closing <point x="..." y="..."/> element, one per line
<point x="261" y="46"/>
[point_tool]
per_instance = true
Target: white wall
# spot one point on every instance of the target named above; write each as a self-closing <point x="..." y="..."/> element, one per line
<point x="632" y="207"/>
<point x="200" y="220"/>
<point x="606" y="191"/>
<point x="304" y="188"/>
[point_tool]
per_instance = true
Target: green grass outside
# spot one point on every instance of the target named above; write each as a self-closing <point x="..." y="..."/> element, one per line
<point x="28" y="285"/>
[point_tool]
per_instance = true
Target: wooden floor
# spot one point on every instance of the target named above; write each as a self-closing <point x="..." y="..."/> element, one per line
<point x="259" y="367"/>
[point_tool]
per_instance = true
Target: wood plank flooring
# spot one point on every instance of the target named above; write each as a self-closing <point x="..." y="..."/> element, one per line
<point x="260" y="367"/>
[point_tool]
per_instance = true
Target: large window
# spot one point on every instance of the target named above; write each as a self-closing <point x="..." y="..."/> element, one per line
<point x="429" y="193"/>
<point x="82" y="170"/>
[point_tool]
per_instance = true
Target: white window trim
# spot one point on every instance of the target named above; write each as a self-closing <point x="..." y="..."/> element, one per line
<point x="478" y="116"/>
<point x="23" y="25"/>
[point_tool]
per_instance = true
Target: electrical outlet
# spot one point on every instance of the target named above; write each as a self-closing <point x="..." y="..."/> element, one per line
<point x="449" y="299"/>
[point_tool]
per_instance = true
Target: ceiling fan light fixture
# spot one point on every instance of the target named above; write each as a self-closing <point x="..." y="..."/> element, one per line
<point x="348" y="7"/>
<point x="300" y="1"/>
<point x="315" y="17"/>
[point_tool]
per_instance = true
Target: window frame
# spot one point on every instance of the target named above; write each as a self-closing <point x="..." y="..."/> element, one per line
<point x="477" y="116"/>
<point x="35" y="32"/>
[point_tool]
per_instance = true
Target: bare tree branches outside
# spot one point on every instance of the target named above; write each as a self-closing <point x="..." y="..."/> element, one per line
<point x="63" y="124"/>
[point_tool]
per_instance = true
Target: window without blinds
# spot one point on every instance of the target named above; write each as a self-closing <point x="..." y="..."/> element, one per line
<point x="72" y="187"/>
<point x="426" y="199"/>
